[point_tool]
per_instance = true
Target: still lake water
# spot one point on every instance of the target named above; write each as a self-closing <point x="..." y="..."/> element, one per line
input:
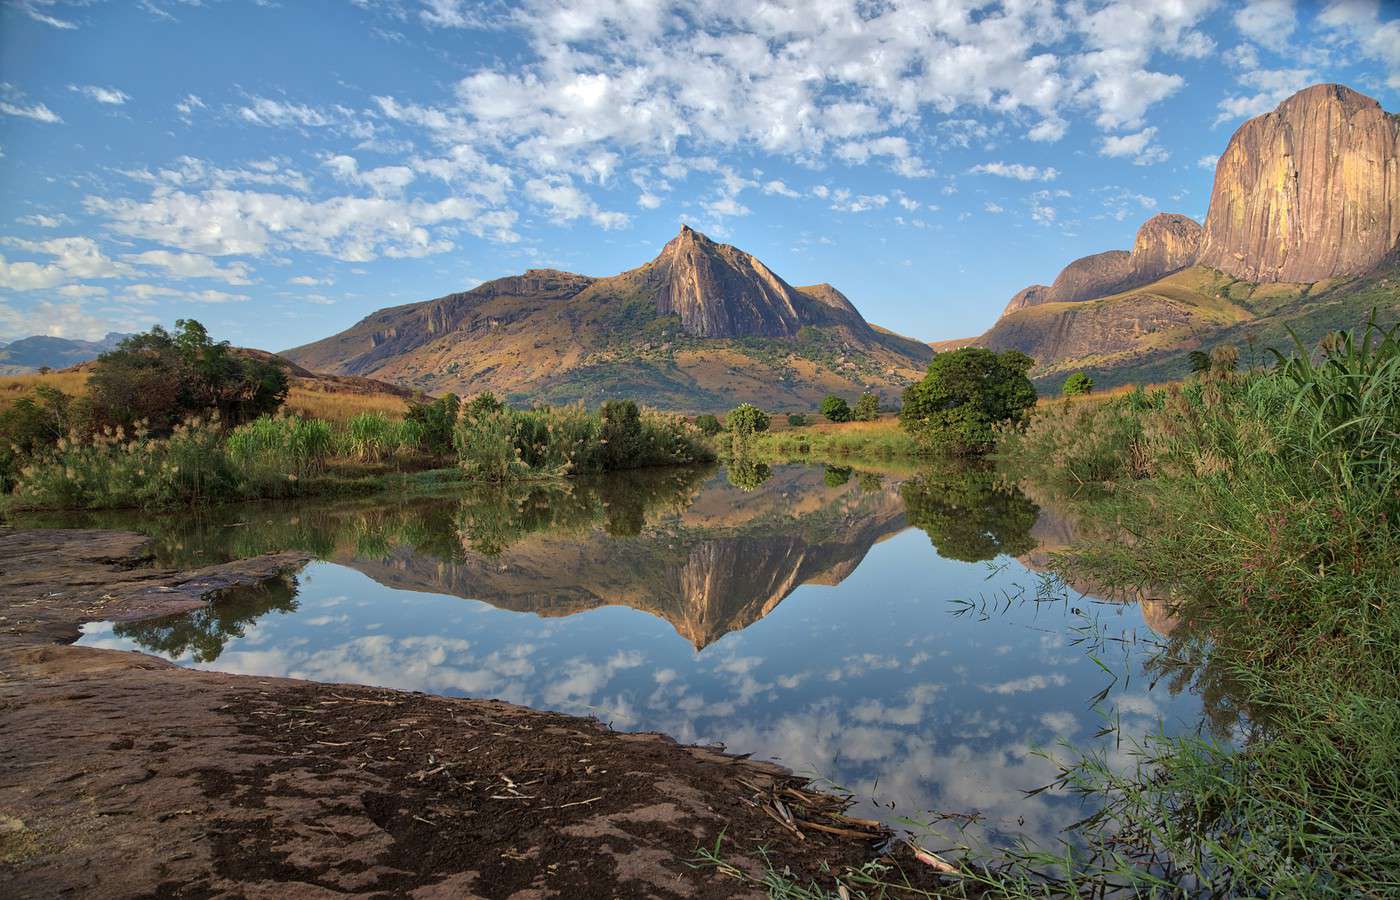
<point x="877" y="631"/>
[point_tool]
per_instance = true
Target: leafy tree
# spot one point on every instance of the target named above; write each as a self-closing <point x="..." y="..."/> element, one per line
<point x="162" y="377"/>
<point x="965" y="396"/>
<point x="797" y="420"/>
<point x="836" y="409"/>
<point x="746" y="420"/>
<point x="867" y="408"/>
<point x="1076" y="384"/>
<point x="708" y="424"/>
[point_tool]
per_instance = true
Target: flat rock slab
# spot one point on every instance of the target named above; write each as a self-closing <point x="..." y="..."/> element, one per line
<point x="122" y="775"/>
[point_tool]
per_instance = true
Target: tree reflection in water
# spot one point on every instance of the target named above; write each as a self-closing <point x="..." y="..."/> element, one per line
<point x="203" y="633"/>
<point x="970" y="513"/>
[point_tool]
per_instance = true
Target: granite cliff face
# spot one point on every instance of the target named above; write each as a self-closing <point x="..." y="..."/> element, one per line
<point x="1028" y="296"/>
<point x="1307" y="192"/>
<point x="702" y="326"/>
<point x="1096" y="275"/>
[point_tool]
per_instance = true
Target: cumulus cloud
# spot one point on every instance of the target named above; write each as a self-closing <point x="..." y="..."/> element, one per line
<point x="1016" y="170"/>
<point x="1267" y="22"/>
<point x="36" y="111"/>
<point x="222" y="222"/>
<point x="192" y="265"/>
<point x="108" y="95"/>
<point x="69" y="259"/>
<point x="1141" y="146"/>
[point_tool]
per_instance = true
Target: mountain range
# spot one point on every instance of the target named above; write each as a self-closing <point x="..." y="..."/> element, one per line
<point x="31" y="354"/>
<point x="1301" y="233"/>
<point x="703" y="326"/>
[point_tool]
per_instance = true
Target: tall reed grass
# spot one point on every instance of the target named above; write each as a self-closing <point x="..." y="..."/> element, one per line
<point x="1267" y="503"/>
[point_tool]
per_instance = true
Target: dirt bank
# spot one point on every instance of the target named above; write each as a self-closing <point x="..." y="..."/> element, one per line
<point x="124" y="776"/>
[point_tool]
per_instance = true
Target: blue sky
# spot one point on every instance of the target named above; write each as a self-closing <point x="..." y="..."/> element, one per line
<point x="279" y="170"/>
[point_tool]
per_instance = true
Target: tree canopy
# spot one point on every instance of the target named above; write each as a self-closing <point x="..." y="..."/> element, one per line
<point x="836" y="409"/>
<point x="965" y="396"/>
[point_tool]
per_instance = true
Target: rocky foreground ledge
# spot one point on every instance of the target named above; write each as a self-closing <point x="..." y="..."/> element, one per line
<point x="122" y="775"/>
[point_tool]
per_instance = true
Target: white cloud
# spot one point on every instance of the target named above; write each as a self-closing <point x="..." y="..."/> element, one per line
<point x="1016" y="170"/>
<point x="309" y="281"/>
<point x="1140" y="146"/>
<point x="187" y="106"/>
<point x="1208" y="161"/>
<point x="71" y="259"/>
<point x="1267" y="22"/>
<point x="107" y="95"/>
<point x="277" y="114"/>
<point x="41" y="220"/>
<point x="1270" y="88"/>
<point x="993" y="208"/>
<point x="34" y="9"/>
<point x="779" y="188"/>
<point x="1029" y="683"/>
<point x="1357" y="24"/>
<point x="221" y="222"/>
<point x="564" y="201"/>
<point x="36" y="111"/>
<point x="65" y="320"/>
<point x="192" y="265"/>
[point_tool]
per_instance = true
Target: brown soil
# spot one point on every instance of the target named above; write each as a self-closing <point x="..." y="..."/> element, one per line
<point x="124" y="776"/>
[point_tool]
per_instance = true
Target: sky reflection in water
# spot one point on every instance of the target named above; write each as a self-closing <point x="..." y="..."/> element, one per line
<point x="801" y="619"/>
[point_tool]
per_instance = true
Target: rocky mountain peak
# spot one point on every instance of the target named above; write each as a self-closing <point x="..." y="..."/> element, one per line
<point x="1307" y="192"/>
<point x="720" y="291"/>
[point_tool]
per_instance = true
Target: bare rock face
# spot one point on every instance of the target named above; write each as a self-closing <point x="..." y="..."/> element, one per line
<point x="721" y="291"/>
<point x="1308" y="191"/>
<point x="1027" y="296"/>
<point x="1166" y="243"/>
<point x="1086" y="330"/>
<point x="1093" y="276"/>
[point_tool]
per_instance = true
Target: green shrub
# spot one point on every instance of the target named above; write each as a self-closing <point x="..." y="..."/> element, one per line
<point x="835" y="409"/>
<point x="835" y="476"/>
<point x="797" y="420"/>
<point x="708" y="424"/>
<point x="746" y="420"/>
<point x="1077" y="383"/>
<point x="438" y="420"/>
<point x="867" y="408"/>
<point x="965" y="397"/>
<point x="116" y="469"/>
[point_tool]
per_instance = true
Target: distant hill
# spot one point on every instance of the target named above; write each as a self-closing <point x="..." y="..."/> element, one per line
<point x="31" y="354"/>
<point x="703" y="326"/>
<point x="1301" y="233"/>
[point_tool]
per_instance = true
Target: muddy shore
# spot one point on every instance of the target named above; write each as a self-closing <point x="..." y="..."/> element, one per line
<point x="122" y="775"/>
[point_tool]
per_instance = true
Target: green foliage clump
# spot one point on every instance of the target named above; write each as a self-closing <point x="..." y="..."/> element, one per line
<point x="161" y="378"/>
<point x="747" y="474"/>
<point x="965" y="397"/>
<point x="797" y="420"/>
<point x="374" y="437"/>
<point x="835" y="409"/>
<point x="746" y="420"/>
<point x="970" y="513"/>
<point x="438" y="420"/>
<point x="835" y="476"/>
<point x="1076" y="384"/>
<point x="497" y="443"/>
<point x="867" y="408"/>
<point x="30" y="426"/>
<point x="116" y="468"/>
<point x="273" y="449"/>
<point x="708" y="424"/>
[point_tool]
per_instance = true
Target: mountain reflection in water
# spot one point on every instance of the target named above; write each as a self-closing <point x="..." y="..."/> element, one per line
<point x="814" y="622"/>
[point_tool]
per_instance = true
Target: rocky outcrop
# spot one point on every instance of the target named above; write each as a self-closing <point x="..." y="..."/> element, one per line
<point x="1166" y="243"/>
<point x="721" y="291"/>
<point x="1028" y="296"/>
<point x="1092" y="276"/>
<point x="1086" y="330"/>
<point x="1307" y="192"/>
